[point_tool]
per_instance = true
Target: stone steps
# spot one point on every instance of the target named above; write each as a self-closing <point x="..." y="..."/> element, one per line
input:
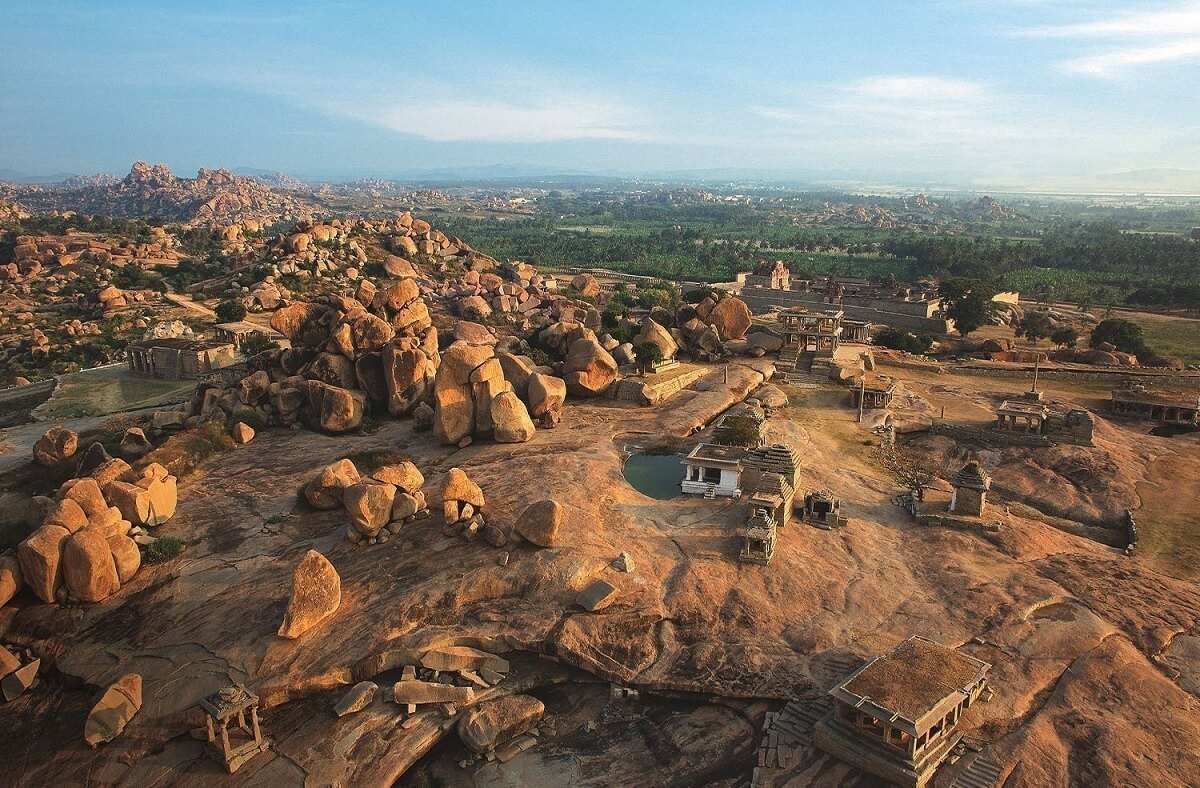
<point x="788" y="735"/>
<point x="980" y="773"/>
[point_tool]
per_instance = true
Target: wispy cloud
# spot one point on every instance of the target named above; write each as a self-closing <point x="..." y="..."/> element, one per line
<point x="1128" y="40"/>
<point x="492" y="120"/>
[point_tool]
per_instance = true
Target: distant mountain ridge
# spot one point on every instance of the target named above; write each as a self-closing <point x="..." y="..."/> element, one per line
<point x="213" y="197"/>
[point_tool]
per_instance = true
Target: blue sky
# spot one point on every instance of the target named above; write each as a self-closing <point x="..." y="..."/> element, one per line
<point x="934" y="89"/>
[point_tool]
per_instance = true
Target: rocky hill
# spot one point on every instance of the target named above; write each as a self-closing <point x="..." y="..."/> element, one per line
<point x="213" y="197"/>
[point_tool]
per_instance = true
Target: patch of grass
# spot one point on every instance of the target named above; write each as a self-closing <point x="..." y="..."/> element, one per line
<point x="163" y="549"/>
<point x="251" y="418"/>
<point x="207" y="440"/>
<point x="1171" y="337"/>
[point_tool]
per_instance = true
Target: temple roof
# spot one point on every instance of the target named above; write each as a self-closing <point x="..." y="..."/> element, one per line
<point x="912" y="680"/>
<point x="972" y="476"/>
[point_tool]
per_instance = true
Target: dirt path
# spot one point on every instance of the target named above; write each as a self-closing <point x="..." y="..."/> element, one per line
<point x="189" y="304"/>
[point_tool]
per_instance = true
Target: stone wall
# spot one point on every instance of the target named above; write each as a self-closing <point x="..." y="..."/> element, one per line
<point x="763" y="300"/>
<point x="644" y="392"/>
<point x="984" y="435"/>
<point x="1115" y="376"/>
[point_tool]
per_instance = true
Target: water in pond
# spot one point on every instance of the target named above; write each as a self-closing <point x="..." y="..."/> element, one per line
<point x="654" y="475"/>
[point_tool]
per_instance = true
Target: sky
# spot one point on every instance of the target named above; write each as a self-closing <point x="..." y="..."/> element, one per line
<point x="964" y="91"/>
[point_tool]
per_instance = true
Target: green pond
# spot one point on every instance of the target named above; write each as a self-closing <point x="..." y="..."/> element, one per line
<point x="655" y="475"/>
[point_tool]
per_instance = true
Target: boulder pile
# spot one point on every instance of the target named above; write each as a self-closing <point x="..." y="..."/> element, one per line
<point x="477" y="394"/>
<point x="376" y="506"/>
<point x="85" y="546"/>
<point x="374" y="352"/>
<point x="462" y="509"/>
<point x="514" y="289"/>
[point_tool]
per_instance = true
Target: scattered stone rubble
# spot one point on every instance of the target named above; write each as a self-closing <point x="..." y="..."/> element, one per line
<point x="18" y="671"/>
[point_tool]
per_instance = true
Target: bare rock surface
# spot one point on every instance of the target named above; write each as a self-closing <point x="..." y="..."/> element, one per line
<point x="1089" y="646"/>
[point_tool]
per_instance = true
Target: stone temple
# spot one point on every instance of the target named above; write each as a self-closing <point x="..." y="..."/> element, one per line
<point x="897" y="716"/>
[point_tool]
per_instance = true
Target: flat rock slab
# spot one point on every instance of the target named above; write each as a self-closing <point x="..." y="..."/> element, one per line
<point x="597" y="596"/>
<point x="419" y="692"/>
<point x="454" y="658"/>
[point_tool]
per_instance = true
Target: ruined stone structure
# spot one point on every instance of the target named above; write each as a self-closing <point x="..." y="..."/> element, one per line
<point x="914" y="307"/>
<point x="238" y="332"/>
<point x="1057" y="421"/>
<point x="811" y="332"/>
<point x="738" y="423"/>
<point x="1164" y="406"/>
<point x="875" y="391"/>
<point x="758" y="537"/>
<point x="971" y="485"/>
<point x="823" y="509"/>
<point x="773" y="276"/>
<point x="773" y="473"/>
<point x="896" y="717"/>
<point x="237" y="706"/>
<point x="810" y="339"/>
<point x="175" y="359"/>
<point x="857" y="332"/>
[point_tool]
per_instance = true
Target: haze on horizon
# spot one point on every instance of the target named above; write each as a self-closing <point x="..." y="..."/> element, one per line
<point x="1012" y="92"/>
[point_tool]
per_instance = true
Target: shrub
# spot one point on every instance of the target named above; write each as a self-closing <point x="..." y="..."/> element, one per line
<point x="1124" y="335"/>
<point x="371" y="460"/>
<point x="257" y="343"/>
<point x="207" y="440"/>
<point x="899" y="339"/>
<point x="163" y="549"/>
<point x="230" y="311"/>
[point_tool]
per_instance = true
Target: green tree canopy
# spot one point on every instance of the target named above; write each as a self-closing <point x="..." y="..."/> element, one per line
<point x="230" y="311"/>
<point x="968" y="302"/>
<point x="1124" y="335"/>
<point x="1064" y="336"/>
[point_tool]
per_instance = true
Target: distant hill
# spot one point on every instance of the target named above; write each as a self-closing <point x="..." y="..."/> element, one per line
<point x="1153" y="180"/>
<point x="213" y="197"/>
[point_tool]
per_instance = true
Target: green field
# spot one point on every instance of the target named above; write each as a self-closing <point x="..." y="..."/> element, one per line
<point x="110" y="391"/>
<point x="1170" y="336"/>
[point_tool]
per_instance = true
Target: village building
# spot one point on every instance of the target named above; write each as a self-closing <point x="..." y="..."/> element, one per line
<point x="236" y="707"/>
<point x="897" y="716"/>
<point x="179" y="358"/>
<point x="971" y="485"/>
<point x="1166" y="407"/>
<point x="237" y="333"/>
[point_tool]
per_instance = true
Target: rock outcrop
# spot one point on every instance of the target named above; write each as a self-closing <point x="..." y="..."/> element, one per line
<point x="316" y="595"/>
<point x="114" y="710"/>
<point x="55" y="446"/>
<point x="491" y="723"/>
